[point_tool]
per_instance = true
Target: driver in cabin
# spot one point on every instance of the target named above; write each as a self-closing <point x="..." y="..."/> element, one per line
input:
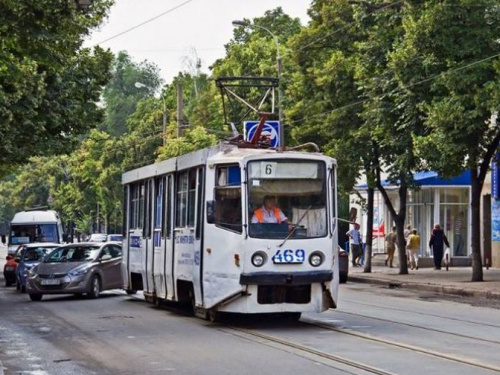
<point x="269" y="212"/>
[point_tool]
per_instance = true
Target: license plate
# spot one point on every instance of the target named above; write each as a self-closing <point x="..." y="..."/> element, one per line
<point x="50" y="282"/>
<point x="9" y="268"/>
<point x="289" y="256"/>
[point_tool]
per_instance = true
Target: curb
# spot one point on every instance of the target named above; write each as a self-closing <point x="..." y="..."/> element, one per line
<point x="441" y="289"/>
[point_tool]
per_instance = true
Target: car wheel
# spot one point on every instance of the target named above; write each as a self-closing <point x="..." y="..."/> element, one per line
<point x="7" y="282"/>
<point x="342" y="278"/>
<point x="36" y="296"/>
<point x="22" y="288"/>
<point x="95" y="287"/>
<point x="213" y="315"/>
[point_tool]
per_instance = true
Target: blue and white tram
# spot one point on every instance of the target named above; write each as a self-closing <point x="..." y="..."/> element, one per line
<point x="191" y="236"/>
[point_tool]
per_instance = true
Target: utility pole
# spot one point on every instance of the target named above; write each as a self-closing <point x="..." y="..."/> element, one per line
<point x="180" y="119"/>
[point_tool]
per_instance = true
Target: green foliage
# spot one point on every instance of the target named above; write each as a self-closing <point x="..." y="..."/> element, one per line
<point x="121" y="94"/>
<point x="49" y="84"/>
<point x="194" y="139"/>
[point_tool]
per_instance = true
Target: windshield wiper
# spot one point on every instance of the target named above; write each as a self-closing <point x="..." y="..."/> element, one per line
<point x="295" y="226"/>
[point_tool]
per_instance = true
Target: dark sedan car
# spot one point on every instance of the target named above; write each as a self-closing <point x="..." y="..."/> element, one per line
<point x="76" y="269"/>
<point x="28" y="256"/>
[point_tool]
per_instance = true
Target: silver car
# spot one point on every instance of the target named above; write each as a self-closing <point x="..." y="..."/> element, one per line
<point x="76" y="269"/>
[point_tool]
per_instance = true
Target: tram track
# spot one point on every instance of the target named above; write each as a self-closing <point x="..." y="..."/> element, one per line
<point x="413" y="348"/>
<point x="246" y="333"/>
<point x="260" y="337"/>
<point x="435" y="330"/>
<point x="426" y="314"/>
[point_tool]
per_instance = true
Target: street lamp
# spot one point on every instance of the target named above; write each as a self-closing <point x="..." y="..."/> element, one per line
<point x="280" y="86"/>
<point x="141" y="85"/>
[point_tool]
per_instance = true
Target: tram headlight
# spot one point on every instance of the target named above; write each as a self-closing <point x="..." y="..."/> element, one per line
<point x="316" y="258"/>
<point x="259" y="259"/>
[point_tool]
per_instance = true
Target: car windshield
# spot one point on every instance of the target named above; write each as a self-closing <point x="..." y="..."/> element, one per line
<point x="36" y="253"/>
<point x="73" y="254"/>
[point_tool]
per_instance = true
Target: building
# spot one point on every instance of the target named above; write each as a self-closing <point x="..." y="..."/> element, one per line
<point x="436" y="200"/>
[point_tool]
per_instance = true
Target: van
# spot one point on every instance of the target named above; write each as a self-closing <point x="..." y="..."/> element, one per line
<point x="34" y="226"/>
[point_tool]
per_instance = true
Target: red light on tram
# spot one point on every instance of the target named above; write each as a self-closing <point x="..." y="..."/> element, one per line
<point x="237" y="259"/>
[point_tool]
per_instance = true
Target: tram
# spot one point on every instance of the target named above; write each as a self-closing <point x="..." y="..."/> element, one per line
<point x="192" y="234"/>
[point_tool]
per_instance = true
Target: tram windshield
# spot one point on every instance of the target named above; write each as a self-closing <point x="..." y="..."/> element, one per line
<point x="287" y="198"/>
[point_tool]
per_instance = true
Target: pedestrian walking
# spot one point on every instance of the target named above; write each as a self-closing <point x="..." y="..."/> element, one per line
<point x="406" y="235"/>
<point x="390" y="241"/>
<point x="355" y="245"/>
<point x="414" y="247"/>
<point x="436" y="243"/>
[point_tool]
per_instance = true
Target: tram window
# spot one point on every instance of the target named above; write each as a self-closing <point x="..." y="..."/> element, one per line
<point x="228" y="198"/>
<point x="168" y="209"/>
<point x="125" y="209"/>
<point x="136" y="205"/>
<point x="199" y="204"/>
<point x="191" y="198"/>
<point x="181" y="202"/>
<point x="299" y="188"/>
<point x="148" y="208"/>
<point x="159" y="194"/>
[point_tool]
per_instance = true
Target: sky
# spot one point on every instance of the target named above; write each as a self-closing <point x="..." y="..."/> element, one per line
<point x="189" y="29"/>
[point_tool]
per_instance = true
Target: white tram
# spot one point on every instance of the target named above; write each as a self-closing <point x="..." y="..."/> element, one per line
<point x="191" y="236"/>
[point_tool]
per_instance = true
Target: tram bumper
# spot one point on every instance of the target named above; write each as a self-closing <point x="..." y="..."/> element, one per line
<point x="285" y="278"/>
<point x="271" y="292"/>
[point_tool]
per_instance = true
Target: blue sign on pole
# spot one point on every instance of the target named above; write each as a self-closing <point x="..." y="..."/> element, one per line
<point x="495" y="188"/>
<point x="271" y="129"/>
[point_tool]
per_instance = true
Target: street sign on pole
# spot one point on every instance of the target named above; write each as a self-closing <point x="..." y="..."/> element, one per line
<point x="271" y="129"/>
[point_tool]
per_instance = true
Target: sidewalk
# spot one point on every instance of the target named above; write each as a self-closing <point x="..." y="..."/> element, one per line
<point x="456" y="281"/>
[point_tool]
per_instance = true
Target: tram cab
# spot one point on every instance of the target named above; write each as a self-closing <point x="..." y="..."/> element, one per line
<point x="194" y="233"/>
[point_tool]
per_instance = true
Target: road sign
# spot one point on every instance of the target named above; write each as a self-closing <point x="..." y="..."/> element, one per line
<point x="271" y="129"/>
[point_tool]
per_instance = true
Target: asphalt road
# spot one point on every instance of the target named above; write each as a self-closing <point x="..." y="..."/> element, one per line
<point x="375" y="330"/>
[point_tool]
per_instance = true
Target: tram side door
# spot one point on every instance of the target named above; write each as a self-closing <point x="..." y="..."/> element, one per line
<point x="168" y="238"/>
<point x="158" y="246"/>
<point x="147" y="236"/>
<point x="186" y="245"/>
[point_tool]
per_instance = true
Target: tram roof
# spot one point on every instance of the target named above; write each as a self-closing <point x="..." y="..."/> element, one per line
<point x="222" y="153"/>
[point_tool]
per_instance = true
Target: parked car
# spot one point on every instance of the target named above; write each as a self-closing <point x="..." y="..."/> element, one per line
<point x="9" y="270"/>
<point x="27" y="256"/>
<point x="76" y="269"/>
<point x="343" y="265"/>
<point x="115" y="237"/>
<point x="98" y="237"/>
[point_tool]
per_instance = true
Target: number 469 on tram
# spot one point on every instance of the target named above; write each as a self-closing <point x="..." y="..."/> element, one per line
<point x="198" y="231"/>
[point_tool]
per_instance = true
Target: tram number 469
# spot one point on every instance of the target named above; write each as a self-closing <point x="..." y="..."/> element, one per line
<point x="289" y="256"/>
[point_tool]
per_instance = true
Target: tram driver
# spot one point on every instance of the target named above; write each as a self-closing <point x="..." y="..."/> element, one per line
<point x="269" y="212"/>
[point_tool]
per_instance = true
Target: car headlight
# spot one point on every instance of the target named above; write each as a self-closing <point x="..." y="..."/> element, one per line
<point x="316" y="258"/>
<point x="26" y="271"/>
<point x="78" y="272"/>
<point x="32" y="272"/>
<point x="259" y="259"/>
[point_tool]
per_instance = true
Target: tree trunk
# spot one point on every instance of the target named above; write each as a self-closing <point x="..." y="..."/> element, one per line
<point x="477" y="264"/>
<point x="369" y="232"/>
<point x="399" y="220"/>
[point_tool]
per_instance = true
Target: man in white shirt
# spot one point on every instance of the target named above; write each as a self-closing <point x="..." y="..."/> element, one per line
<point x="355" y="245"/>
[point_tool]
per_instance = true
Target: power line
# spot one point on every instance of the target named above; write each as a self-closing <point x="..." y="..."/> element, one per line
<point x="425" y="80"/>
<point x="145" y="22"/>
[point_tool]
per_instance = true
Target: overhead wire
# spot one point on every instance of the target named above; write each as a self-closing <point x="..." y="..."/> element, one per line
<point x="145" y="22"/>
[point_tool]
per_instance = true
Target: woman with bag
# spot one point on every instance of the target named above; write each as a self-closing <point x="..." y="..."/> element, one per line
<point x="436" y="243"/>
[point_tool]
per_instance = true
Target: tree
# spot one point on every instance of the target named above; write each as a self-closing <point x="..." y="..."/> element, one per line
<point x="454" y="49"/>
<point x="49" y="84"/>
<point x="121" y="94"/>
